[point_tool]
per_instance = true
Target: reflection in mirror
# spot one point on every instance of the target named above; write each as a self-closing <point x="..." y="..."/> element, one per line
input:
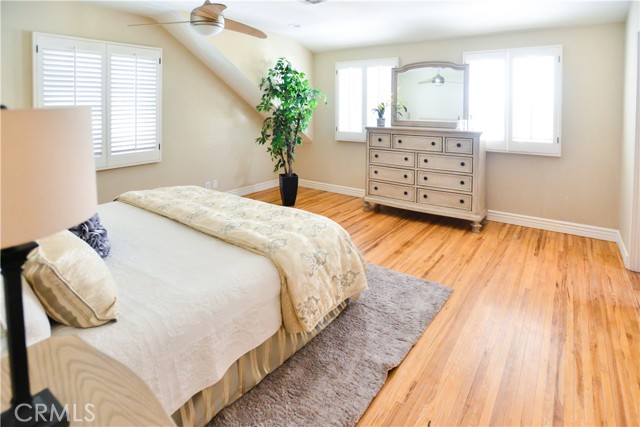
<point x="434" y="93"/>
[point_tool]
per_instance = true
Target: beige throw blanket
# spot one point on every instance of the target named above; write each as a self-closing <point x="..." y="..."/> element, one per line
<point x="318" y="263"/>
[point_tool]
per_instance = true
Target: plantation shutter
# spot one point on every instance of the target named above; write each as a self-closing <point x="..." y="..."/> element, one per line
<point x="121" y="83"/>
<point x="71" y="73"/>
<point x="134" y="104"/>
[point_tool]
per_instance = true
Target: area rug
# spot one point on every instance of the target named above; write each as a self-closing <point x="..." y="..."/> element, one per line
<point x="332" y="380"/>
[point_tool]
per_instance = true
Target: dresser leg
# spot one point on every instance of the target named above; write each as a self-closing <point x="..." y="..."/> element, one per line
<point x="476" y="226"/>
<point x="371" y="207"/>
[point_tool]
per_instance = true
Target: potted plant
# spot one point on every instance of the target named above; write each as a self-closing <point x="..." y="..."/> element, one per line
<point x="288" y="96"/>
<point x="381" y="108"/>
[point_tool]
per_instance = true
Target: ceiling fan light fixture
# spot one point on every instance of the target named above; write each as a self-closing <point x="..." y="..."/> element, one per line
<point x="207" y="27"/>
<point x="438" y="80"/>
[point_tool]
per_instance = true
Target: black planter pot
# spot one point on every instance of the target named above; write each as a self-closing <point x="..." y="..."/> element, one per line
<point x="288" y="189"/>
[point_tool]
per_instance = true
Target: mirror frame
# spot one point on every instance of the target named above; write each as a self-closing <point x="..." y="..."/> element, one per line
<point x="395" y="121"/>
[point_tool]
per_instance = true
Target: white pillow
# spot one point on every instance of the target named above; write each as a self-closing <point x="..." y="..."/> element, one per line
<point x="36" y="322"/>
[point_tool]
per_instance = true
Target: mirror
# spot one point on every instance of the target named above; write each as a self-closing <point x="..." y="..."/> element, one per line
<point x="434" y="93"/>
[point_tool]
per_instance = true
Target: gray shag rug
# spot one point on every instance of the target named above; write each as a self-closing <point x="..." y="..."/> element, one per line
<point x="332" y="380"/>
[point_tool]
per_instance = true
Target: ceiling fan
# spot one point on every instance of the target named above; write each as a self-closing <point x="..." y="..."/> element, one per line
<point x="208" y="20"/>
<point x="437" y="80"/>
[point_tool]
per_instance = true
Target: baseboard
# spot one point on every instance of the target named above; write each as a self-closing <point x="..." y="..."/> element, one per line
<point x="315" y="185"/>
<point x="600" y="233"/>
<point x="624" y="252"/>
<point x="333" y="188"/>
<point x="254" y="188"/>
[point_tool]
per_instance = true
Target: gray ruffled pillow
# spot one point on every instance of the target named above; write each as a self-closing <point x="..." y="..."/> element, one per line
<point x="94" y="234"/>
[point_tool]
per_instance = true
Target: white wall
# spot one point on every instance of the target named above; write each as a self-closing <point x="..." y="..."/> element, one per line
<point x="582" y="186"/>
<point x="629" y="150"/>
<point x="208" y="131"/>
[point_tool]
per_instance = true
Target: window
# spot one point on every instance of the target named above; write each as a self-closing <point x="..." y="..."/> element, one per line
<point x="515" y="99"/>
<point x="122" y="85"/>
<point x="360" y="86"/>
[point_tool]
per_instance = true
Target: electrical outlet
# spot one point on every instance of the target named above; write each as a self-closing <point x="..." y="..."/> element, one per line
<point x="215" y="183"/>
<point x="207" y="184"/>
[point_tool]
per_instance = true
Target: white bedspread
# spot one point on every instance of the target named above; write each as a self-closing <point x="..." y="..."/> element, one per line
<point x="189" y="304"/>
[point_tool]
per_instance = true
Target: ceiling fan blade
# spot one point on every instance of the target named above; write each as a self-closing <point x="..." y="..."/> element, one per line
<point x="242" y="28"/>
<point x="212" y="9"/>
<point x="158" y="23"/>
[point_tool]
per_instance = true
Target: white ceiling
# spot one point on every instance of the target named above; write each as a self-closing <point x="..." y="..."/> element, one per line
<point x="339" y="24"/>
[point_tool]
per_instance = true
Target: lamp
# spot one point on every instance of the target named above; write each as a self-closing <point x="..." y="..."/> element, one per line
<point x="47" y="185"/>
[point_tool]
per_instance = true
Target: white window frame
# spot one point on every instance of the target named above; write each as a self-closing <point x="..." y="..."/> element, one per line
<point x="508" y="144"/>
<point x="107" y="160"/>
<point x="363" y="65"/>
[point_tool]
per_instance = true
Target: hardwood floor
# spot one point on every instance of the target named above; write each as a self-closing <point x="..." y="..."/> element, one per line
<point x="542" y="328"/>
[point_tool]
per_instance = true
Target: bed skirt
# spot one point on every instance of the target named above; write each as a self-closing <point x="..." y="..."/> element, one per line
<point x="247" y="372"/>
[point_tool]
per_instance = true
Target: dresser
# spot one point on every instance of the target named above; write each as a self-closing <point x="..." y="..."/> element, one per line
<point x="436" y="171"/>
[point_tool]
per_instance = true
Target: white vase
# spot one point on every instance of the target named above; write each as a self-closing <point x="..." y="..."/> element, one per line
<point x="381" y="121"/>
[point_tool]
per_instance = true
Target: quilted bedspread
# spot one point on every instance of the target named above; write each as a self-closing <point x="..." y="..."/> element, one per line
<point x="318" y="263"/>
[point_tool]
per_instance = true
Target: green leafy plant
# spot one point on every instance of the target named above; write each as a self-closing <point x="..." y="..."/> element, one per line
<point x="288" y="96"/>
<point x="382" y="106"/>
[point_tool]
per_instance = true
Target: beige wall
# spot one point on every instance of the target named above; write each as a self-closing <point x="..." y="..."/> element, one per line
<point x="629" y="139"/>
<point x="253" y="56"/>
<point x="208" y="131"/>
<point x="582" y="186"/>
<point x="263" y="53"/>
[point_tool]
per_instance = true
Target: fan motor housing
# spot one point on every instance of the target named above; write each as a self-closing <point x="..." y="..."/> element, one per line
<point x="197" y="20"/>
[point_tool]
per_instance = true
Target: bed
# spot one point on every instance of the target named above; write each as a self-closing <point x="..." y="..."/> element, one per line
<point x="200" y="319"/>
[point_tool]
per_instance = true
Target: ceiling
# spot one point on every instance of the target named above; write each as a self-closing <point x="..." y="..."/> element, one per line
<point x="340" y="24"/>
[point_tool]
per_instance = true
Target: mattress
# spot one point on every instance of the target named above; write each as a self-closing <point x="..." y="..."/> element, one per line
<point x="189" y="305"/>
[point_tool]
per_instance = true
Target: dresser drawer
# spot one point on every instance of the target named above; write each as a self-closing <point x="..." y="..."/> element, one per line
<point x="440" y="198"/>
<point x="392" y="191"/>
<point x="445" y="163"/>
<point x="380" y="140"/>
<point x="394" y="158"/>
<point x="423" y="143"/>
<point x="440" y="180"/>
<point x="401" y="176"/>
<point x="458" y="145"/>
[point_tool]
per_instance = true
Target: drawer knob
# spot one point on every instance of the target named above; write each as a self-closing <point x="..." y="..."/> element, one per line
<point x="376" y="172"/>
<point x="426" y="160"/>
<point x="457" y="145"/>
<point x="399" y="141"/>
<point x="375" y="155"/>
<point x="406" y="193"/>
<point x="461" y="163"/>
<point x="375" y="188"/>
<point x="406" y="159"/>
<point x="462" y="201"/>
<point x="461" y="182"/>
<point x="379" y="139"/>
<point x="405" y="176"/>
<point x="424" y="196"/>
<point x="426" y="178"/>
<point x="433" y="143"/>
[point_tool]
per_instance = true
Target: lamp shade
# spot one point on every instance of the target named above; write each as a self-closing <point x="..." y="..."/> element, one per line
<point x="48" y="178"/>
